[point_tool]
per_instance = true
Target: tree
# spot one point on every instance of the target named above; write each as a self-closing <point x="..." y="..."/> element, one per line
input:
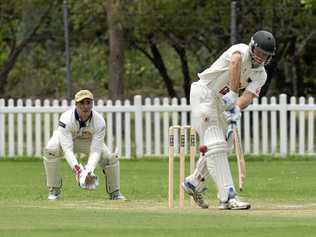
<point x="158" y="41"/>
<point x="12" y="22"/>
<point x="292" y="24"/>
<point x="186" y="27"/>
<point x="117" y="47"/>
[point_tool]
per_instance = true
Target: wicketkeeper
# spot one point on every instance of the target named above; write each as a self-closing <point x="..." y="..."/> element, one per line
<point x="216" y="105"/>
<point x="81" y="130"/>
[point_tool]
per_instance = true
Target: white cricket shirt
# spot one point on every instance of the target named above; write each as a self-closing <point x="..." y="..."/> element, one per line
<point x="216" y="76"/>
<point x="92" y="131"/>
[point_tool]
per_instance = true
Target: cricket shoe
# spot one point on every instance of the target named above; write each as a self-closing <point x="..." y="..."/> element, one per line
<point x="117" y="195"/>
<point x="234" y="204"/>
<point x="53" y="193"/>
<point x="198" y="197"/>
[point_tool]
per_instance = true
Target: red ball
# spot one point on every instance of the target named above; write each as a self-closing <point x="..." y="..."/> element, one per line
<point x="203" y="149"/>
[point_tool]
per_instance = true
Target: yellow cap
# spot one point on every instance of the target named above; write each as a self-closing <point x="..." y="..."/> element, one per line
<point x="83" y="94"/>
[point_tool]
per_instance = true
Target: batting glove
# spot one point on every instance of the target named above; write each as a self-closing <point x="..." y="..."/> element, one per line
<point x="233" y="115"/>
<point x="229" y="133"/>
<point x="229" y="99"/>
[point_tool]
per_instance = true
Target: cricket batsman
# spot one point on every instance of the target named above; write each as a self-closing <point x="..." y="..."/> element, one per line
<point x="81" y="130"/>
<point x="216" y="105"/>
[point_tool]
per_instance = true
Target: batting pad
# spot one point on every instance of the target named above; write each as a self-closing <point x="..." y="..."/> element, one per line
<point x="52" y="170"/>
<point x="112" y="177"/>
<point x="217" y="162"/>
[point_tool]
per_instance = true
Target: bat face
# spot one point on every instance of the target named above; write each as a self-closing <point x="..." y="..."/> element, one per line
<point x="241" y="163"/>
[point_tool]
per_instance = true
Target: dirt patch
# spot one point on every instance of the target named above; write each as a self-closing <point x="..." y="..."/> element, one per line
<point x="259" y="209"/>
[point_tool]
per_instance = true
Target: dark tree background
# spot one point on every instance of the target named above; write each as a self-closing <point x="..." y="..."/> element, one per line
<point x="120" y="48"/>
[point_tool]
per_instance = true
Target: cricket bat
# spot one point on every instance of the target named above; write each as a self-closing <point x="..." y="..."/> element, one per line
<point x="241" y="163"/>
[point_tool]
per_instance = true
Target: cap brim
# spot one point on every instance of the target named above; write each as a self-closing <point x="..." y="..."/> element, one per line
<point x="81" y="99"/>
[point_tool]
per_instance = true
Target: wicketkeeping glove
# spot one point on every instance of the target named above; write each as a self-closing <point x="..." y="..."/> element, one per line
<point x="229" y="99"/>
<point x="85" y="179"/>
<point x="91" y="181"/>
<point x="77" y="169"/>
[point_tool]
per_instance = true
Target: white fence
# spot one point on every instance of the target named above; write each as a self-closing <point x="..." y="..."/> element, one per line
<point x="271" y="127"/>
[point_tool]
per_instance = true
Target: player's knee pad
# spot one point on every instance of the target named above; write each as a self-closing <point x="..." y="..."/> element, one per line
<point x="214" y="140"/>
<point x="51" y="153"/>
<point x="113" y="159"/>
<point x="108" y="158"/>
<point x="52" y="169"/>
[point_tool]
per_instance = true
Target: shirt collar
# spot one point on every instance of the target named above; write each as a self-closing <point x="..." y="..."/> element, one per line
<point x="82" y="123"/>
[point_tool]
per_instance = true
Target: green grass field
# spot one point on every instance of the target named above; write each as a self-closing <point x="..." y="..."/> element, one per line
<point x="282" y="194"/>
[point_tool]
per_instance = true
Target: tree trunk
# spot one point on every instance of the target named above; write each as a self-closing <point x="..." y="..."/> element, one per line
<point x="185" y="70"/>
<point x="117" y="47"/>
<point x="8" y="65"/>
<point x="156" y="59"/>
<point x="16" y="50"/>
<point x="159" y="63"/>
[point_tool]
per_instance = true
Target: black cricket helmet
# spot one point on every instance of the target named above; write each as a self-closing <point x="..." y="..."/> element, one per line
<point x="262" y="47"/>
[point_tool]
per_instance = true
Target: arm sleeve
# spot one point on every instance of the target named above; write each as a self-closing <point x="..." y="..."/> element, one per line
<point x="233" y="49"/>
<point x="255" y="85"/>
<point x="66" y="142"/>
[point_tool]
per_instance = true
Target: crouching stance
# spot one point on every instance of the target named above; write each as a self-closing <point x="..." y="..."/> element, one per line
<point x="216" y="106"/>
<point x="81" y="130"/>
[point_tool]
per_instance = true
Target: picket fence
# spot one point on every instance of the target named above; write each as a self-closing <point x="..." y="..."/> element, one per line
<point x="138" y="129"/>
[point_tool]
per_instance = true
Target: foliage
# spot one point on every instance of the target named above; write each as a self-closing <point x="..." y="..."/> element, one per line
<point x="186" y="36"/>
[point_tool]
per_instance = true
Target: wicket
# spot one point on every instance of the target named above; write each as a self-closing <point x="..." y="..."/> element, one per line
<point x="192" y="143"/>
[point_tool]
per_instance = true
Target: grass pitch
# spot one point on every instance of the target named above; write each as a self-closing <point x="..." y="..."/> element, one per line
<point x="282" y="194"/>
